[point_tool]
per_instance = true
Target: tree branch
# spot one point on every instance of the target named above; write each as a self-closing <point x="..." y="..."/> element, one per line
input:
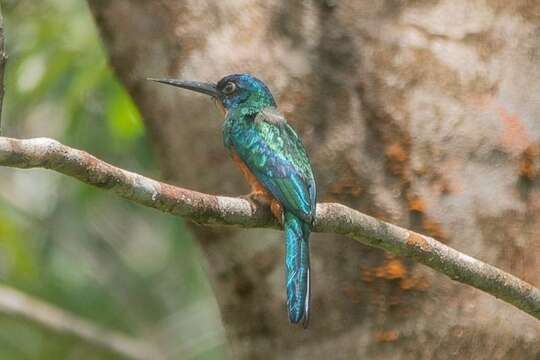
<point x="211" y="209"/>
<point x="16" y="304"/>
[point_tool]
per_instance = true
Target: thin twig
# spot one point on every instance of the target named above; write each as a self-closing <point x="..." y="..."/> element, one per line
<point x="211" y="209"/>
<point x="19" y="305"/>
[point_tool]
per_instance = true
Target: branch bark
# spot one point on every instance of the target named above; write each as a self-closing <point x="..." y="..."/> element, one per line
<point x="16" y="304"/>
<point x="221" y="210"/>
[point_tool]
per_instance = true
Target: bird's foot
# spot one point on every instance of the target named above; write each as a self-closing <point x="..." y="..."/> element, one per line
<point x="258" y="198"/>
<point x="277" y="211"/>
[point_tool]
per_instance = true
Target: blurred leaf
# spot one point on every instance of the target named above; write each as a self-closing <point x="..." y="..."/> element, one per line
<point x="121" y="265"/>
<point x="123" y="117"/>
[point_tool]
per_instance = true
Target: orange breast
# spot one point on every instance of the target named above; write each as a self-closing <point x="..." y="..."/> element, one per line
<point x="257" y="188"/>
<point x="255" y="185"/>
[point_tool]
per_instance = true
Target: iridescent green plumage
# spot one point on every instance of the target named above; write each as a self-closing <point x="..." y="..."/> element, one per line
<point x="270" y="148"/>
<point x="260" y="136"/>
<point x="273" y="152"/>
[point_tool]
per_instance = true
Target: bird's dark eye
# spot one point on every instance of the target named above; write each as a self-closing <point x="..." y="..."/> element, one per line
<point x="229" y="88"/>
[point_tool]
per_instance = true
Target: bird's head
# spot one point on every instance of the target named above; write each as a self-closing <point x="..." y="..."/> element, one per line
<point x="232" y="91"/>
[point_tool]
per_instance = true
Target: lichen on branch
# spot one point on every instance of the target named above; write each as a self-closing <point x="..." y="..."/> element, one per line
<point x="221" y="210"/>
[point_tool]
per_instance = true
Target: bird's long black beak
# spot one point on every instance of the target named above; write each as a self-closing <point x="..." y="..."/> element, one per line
<point x="201" y="87"/>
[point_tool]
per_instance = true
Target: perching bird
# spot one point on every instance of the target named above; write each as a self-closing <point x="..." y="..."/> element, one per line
<point x="274" y="162"/>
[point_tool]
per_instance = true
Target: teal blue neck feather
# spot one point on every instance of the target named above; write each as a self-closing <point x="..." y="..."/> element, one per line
<point x="251" y="94"/>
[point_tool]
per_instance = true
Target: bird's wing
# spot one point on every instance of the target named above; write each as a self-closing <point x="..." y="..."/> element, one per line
<point x="274" y="153"/>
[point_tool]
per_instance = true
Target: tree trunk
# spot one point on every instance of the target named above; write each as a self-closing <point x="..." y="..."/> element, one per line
<point x="423" y="113"/>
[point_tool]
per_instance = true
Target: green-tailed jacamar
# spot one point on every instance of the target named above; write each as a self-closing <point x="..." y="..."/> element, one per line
<point x="274" y="162"/>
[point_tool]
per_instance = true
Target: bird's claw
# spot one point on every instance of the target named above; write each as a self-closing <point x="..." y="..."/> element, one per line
<point x="277" y="210"/>
<point x="257" y="198"/>
<point x="262" y="199"/>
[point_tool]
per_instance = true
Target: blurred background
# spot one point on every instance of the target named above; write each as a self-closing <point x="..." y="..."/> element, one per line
<point x="421" y="113"/>
<point x="123" y="266"/>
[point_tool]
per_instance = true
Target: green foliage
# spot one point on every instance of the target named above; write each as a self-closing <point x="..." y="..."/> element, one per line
<point x="123" y="266"/>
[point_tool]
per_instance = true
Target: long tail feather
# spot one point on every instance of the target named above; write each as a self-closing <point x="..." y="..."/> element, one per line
<point x="297" y="268"/>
